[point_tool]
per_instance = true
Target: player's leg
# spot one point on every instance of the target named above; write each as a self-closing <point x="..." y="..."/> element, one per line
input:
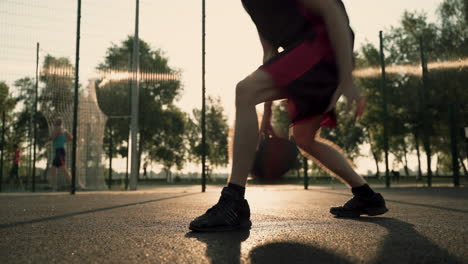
<point x="67" y="173"/>
<point x="331" y="157"/>
<point x="18" y="181"/>
<point x="11" y="174"/>
<point x="255" y="89"/>
<point x="56" y="163"/>
<point x="63" y="165"/>
<point x="232" y="210"/>
<point x="53" y="179"/>
<point x="327" y="154"/>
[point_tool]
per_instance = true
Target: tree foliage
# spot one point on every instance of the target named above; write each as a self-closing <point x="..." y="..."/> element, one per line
<point x="217" y="131"/>
<point x="7" y="104"/>
<point x="347" y="135"/>
<point x="446" y="40"/>
<point x="161" y="123"/>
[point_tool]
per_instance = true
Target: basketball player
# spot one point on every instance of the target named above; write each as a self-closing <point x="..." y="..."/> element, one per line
<point x="312" y="72"/>
<point x="59" y="138"/>
<point x="16" y="160"/>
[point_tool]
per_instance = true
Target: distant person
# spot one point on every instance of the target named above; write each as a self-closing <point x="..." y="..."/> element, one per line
<point x="59" y="138"/>
<point x="396" y="175"/>
<point x="312" y="71"/>
<point x="16" y="159"/>
<point x="145" y="173"/>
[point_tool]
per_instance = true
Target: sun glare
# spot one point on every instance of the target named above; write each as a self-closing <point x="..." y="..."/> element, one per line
<point x="110" y="75"/>
<point x="410" y="69"/>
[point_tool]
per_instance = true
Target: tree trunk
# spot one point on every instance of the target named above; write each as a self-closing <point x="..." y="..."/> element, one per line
<point x="168" y="175"/>
<point x="416" y="140"/>
<point x="140" y="151"/>
<point x="405" y="159"/>
<point x="427" y="149"/>
<point x="377" y="174"/>
<point x="463" y="166"/>
<point x="46" y="170"/>
<point x="138" y="163"/>
<point x="466" y="10"/>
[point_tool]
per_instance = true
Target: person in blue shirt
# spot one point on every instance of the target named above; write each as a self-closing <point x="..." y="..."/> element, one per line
<point x="59" y="138"/>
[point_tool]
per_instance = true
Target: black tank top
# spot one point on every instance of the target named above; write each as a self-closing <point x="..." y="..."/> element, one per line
<point x="278" y="21"/>
<point x="281" y="22"/>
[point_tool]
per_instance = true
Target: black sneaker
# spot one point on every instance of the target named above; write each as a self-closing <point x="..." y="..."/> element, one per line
<point x="357" y="206"/>
<point x="230" y="213"/>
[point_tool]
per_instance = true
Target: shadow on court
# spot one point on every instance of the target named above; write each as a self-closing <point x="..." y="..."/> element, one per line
<point x="226" y="248"/>
<point x="402" y="244"/>
<point x="292" y="252"/>
<point x="58" y="217"/>
<point x="222" y="247"/>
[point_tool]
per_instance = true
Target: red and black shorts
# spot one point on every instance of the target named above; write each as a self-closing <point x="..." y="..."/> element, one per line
<point x="308" y="76"/>
<point x="59" y="159"/>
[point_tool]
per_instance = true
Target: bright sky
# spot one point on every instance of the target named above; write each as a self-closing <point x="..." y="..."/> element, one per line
<point x="232" y="51"/>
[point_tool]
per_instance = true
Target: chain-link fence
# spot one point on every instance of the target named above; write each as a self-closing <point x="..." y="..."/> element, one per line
<point x="424" y="113"/>
<point x="41" y="37"/>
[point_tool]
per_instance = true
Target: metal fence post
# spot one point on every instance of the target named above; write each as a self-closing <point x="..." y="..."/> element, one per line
<point x="306" y="176"/>
<point x="424" y="112"/>
<point x="2" y="149"/>
<point x="203" y="117"/>
<point x="135" y="103"/>
<point x="110" y="155"/>
<point x="33" y="180"/>
<point x="385" y="114"/>
<point x="75" y="102"/>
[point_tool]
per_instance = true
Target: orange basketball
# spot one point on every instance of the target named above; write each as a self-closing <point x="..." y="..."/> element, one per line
<point x="274" y="157"/>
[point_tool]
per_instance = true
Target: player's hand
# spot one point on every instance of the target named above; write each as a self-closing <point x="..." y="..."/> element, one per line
<point x="266" y="128"/>
<point x="353" y="96"/>
<point x="334" y="99"/>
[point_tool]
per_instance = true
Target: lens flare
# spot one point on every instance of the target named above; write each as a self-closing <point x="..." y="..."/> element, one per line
<point x="143" y="76"/>
<point x="410" y="69"/>
<point x="110" y="75"/>
<point x="58" y="71"/>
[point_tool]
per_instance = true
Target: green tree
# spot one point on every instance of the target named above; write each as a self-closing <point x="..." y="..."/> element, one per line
<point x="58" y="85"/>
<point x="169" y="145"/>
<point x="444" y="41"/>
<point x="217" y="131"/>
<point x="453" y="29"/>
<point x="6" y="102"/>
<point x="371" y="120"/>
<point x="347" y="135"/>
<point x="402" y="42"/>
<point x="7" y="105"/>
<point x="157" y="113"/>
<point x="454" y="44"/>
<point x="23" y="126"/>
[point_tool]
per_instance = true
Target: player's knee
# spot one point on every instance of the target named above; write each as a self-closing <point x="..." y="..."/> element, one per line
<point x="301" y="141"/>
<point x="305" y="141"/>
<point x="244" y="94"/>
